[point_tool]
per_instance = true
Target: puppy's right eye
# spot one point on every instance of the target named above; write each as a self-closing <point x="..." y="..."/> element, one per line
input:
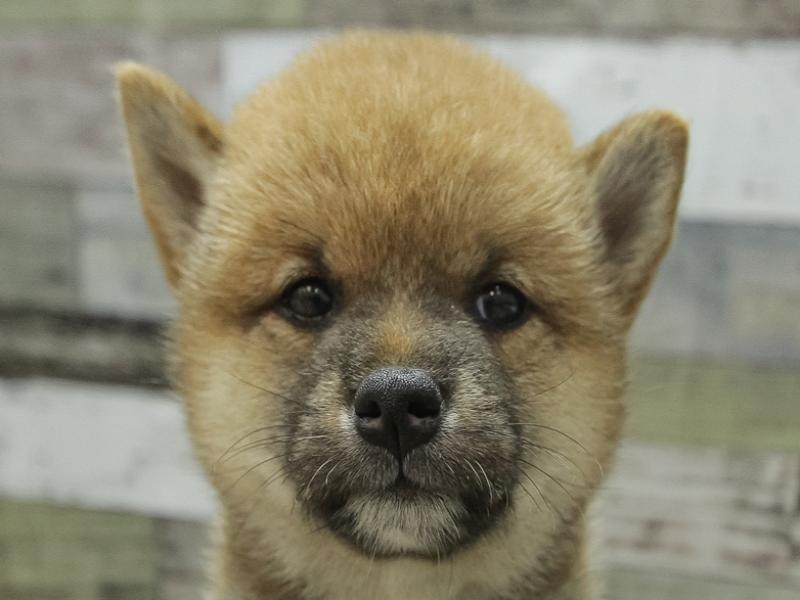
<point x="308" y="300"/>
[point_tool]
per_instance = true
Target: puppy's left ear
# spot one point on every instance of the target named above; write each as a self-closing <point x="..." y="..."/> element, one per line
<point x="175" y="146"/>
<point x="636" y="172"/>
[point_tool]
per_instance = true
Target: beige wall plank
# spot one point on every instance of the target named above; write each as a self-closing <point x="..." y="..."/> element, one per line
<point x="710" y="17"/>
<point x="688" y="400"/>
<point x="629" y="584"/>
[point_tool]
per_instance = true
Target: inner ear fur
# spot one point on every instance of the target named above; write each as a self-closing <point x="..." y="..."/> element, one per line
<point x="636" y="172"/>
<point x="175" y="145"/>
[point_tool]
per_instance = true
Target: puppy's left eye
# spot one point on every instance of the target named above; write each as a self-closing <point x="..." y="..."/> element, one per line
<point x="308" y="300"/>
<point x="501" y="306"/>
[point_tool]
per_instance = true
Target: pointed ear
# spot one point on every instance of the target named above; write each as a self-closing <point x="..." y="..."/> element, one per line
<point x="636" y="172"/>
<point x="175" y="145"/>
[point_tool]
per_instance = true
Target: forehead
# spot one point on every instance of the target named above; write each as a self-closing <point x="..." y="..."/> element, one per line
<point x="426" y="174"/>
<point x="400" y="203"/>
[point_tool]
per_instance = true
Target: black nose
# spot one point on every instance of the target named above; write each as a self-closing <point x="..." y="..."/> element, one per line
<point x="398" y="409"/>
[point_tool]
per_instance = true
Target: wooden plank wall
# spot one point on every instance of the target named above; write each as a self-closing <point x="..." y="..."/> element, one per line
<point x="703" y="514"/>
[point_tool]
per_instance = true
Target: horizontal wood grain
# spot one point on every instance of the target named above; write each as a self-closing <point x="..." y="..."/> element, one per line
<point x="729" y="514"/>
<point x="632" y="584"/>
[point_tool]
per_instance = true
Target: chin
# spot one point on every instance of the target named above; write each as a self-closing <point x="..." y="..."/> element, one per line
<point x="405" y="521"/>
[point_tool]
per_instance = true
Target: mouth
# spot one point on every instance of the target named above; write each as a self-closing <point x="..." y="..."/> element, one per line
<point x="405" y="518"/>
<point x="402" y="487"/>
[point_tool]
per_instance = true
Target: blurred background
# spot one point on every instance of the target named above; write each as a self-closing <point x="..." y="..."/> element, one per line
<point x="99" y="496"/>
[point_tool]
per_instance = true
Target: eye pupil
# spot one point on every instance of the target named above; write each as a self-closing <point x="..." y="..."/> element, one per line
<point x="500" y="305"/>
<point x="308" y="299"/>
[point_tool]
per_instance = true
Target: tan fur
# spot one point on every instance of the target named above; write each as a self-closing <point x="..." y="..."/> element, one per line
<point x="396" y="343"/>
<point x="403" y="154"/>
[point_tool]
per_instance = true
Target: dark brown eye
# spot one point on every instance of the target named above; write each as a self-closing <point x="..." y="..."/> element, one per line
<point x="501" y="306"/>
<point x="308" y="300"/>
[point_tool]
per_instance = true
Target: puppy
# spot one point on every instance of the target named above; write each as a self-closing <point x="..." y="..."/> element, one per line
<point x="404" y="297"/>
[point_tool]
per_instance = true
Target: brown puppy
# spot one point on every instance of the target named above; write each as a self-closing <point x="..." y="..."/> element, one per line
<point x="404" y="298"/>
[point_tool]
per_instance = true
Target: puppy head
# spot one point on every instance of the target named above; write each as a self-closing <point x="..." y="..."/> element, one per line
<point x="404" y="294"/>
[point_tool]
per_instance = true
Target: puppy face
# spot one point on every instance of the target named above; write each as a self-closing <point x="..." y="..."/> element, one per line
<point x="404" y="295"/>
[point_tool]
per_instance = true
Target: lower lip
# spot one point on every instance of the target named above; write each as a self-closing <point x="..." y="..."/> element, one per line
<point x="403" y="487"/>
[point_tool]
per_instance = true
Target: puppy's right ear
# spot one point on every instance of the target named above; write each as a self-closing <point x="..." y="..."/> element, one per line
<point x="175" y="146"/>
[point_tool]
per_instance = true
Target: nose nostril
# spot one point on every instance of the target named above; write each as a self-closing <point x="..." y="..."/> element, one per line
<point x="423" y="408"/>
<point x="368" y="410"/>
<point x="398" y="409"/>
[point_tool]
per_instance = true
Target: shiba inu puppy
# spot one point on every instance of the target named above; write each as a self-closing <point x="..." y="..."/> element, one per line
<point x="404" y="297"/>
